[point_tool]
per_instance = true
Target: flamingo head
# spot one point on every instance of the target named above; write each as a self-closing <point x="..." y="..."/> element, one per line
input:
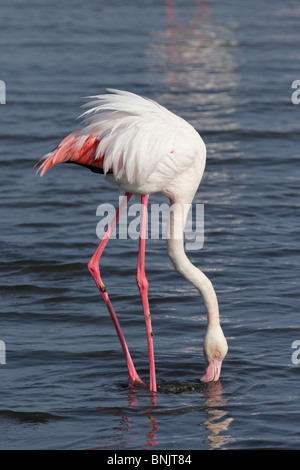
<point x="215" y="349"/>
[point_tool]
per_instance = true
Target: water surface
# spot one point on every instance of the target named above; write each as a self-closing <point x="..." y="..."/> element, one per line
<point x="228" y="69"/>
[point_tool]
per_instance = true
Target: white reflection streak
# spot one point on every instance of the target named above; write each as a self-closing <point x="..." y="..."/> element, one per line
<point x="194" y="60"/>
<point x="215" y="423"/>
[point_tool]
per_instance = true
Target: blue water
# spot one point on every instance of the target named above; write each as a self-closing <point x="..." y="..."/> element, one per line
<point x="227" y="67"/>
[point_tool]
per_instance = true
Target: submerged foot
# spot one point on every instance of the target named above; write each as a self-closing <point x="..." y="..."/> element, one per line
<point x="136" y="381"/>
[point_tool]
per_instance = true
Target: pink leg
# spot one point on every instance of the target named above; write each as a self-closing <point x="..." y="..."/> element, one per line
<point x="94" y="269"/>
<point x="143" y="287"/>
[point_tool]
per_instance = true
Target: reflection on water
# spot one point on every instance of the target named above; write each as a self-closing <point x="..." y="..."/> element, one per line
<point x="151" y="423"/>
<point x="193" y="58"/>
<point x="216" y="421"/>
<point x="151" y="434"/>
<point x="211" y="413"/>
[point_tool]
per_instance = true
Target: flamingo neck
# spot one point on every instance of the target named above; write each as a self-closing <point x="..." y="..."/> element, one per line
<point x="176" y="252"/>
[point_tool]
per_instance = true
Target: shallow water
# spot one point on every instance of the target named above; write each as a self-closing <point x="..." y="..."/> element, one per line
<point x="228" y="69"/>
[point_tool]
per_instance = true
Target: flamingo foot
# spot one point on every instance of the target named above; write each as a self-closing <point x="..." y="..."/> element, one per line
<point x="136" y="381"/>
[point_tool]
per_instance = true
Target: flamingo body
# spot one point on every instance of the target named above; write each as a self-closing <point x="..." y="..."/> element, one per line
<point x="144" y="149"/>
<point x="142" y="146"/>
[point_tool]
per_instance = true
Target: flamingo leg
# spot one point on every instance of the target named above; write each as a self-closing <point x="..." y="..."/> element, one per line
<point x="94" y="269"/>
<point x="143" y="288"/>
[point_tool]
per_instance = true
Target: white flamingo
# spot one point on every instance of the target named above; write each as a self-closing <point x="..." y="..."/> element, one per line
<point x="144" y="148"/>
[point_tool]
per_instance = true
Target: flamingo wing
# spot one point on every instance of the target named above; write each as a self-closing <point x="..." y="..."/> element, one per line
<point x="127" y="135"/>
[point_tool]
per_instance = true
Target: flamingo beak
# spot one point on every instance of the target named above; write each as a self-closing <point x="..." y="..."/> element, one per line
<point x="213" y="370"/>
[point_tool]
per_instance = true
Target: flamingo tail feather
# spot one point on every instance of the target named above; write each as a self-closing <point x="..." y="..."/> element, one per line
<point x="75" y="148"/>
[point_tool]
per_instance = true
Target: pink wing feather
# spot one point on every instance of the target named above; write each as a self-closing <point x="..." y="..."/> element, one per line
<point x="74" y="148"/>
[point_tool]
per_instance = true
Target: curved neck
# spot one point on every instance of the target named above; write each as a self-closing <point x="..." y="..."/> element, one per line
<point x="175" y="247"/>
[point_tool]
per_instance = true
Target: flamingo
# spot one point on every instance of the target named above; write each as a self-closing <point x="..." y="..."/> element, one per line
<point x="144" y="148"/>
